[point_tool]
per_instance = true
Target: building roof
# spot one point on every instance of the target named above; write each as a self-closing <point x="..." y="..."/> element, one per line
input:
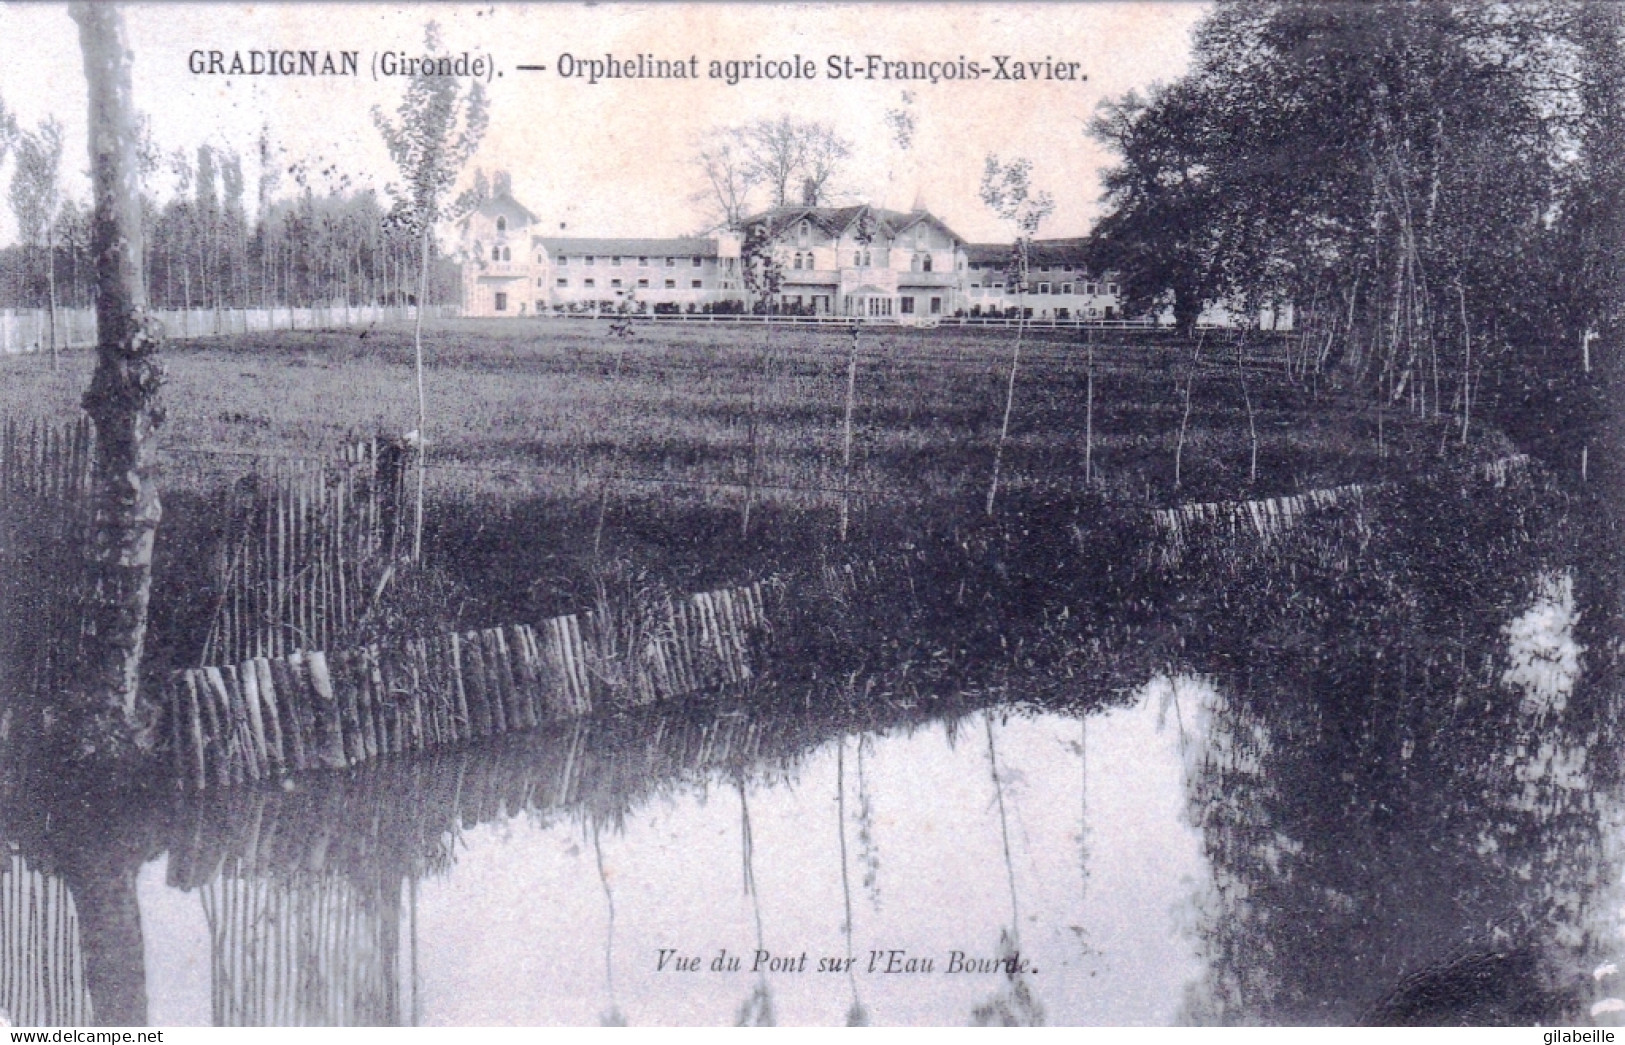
<point x="682" y="245"/>
<point x="1044" y="253"/>
<point x="505" y="203"/>
<point x="834" y="221"/>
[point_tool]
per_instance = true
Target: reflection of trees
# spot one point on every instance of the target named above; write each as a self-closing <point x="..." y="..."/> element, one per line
<point x="757" y="1010"/>
<point x="1396" y="832"/>
<point x="857" y="1015"/>
<point x="1013" y="1004"/>
<point x="612" y="1017"/>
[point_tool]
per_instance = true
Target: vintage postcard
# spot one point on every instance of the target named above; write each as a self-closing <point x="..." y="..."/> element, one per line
<point x="1095" y="514"/>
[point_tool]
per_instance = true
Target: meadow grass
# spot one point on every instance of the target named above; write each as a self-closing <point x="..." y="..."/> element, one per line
<point x="546" y="406"/>
<point x="556" y="451"/>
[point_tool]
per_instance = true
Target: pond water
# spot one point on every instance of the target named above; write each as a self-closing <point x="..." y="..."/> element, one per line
<point x="1195" y="847"/>
<point x="1063" y="840"/>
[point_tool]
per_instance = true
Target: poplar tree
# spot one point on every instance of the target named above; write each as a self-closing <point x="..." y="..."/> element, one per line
<point x="36" y="199"/>
<point x="438" y="126"/>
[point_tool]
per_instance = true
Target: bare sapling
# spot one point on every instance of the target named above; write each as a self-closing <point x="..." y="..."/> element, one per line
<point x="621" y="332"/>
<point x="1247" y="400"/>
<point x="1089" y="415"/>
<point x="846" y="427"/>
<point x="440" y="125"/>
<point x="1185" y="417"/>
<point x="1007" y="191"/>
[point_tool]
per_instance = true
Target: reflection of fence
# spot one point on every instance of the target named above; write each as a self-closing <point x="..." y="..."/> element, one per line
<point x="29" y="330"/>
<point x="308" y="544"/>
<point x="44" y="498"/>
<point x="267" y="716"/>
<point x="41" y="967"/>
<point x="316" y="950"/>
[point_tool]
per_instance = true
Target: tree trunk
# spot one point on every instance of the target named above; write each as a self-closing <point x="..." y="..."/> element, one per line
<point x="50" y="287"/>
<point x="423" y="424"/>
<point x="122" y="401"/>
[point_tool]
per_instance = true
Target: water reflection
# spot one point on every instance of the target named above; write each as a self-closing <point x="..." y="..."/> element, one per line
<point x="1401" y="825"/>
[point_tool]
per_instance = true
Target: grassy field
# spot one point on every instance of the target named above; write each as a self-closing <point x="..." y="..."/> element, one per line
<point x="557" y="451"/>
<point x="546" y="405"/>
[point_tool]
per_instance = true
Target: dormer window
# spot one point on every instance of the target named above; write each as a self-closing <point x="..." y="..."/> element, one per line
<point x="502" y="224"/>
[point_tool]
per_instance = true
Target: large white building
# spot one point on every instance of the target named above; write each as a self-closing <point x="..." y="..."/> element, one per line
<point x="1059" y="286"/>
<point x="511" y="269"/>
<point x="864" y="261"/>
<point x="830" y="261"/>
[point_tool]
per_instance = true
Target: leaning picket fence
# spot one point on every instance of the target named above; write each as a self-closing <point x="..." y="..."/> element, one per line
<point x="269" y="716"/>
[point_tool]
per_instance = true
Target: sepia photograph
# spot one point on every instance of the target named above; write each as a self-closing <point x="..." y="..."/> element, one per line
<point x="1099" y="514"/>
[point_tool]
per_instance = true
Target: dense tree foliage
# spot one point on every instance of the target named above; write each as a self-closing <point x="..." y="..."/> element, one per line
<point x="1435" y="187"/>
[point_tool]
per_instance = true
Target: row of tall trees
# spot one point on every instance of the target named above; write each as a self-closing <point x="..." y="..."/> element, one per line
<point x="323" y="241"/>
<point x="1435" y="187"/>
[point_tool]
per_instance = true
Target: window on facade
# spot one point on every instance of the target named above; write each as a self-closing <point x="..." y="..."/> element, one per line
<point x="906" y="306"/>
<point x="671" y="284"/>
<point x="698" y="261"/>
<point x="804" y="233"/>
<point x="507" y="254"/>
<point x="1111" y="288"/>
<point x="671" y="263"/>
<point x="502" y="302"/>
<point x="643" y="262"/>
<point x="564" y="259"/>
<point x="925" y="264"/>
<point x="1066" y="288"/>
<point x="539" y="260"/>
<point x="1091" y="289"/>
<point x="539" y="281"/>
<point x="589" y="259"/>
<point x="936" y="306"/>
<point x="1043" y="288"/>
<point x="643" y="283"/>
<point x="563" y="282"/>
<point x="496" y="253"/>
<point x="797" y="263"/>
<point x="616" y="260"/>
<point x="696" y="284"/>
<point x="589" y="282"/>
<point x="976" y="286"/>
<point x="615" y="282"/>
<point x="502" y="224"/>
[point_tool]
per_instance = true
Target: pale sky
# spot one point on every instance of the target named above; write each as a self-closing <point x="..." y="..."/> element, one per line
<point x="616" y="158"/>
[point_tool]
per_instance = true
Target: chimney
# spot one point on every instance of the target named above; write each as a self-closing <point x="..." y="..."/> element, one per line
<point x="809" y="193"/>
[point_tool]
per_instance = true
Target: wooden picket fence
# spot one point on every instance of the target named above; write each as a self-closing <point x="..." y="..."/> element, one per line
<point x="45" y="485"/>
<point x="311" y="543"/>
<point x="29" y="330"/>
<point x="268" y="716"/>
<point x="1268" y="518"/>
<point x="1263" y="519"/>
